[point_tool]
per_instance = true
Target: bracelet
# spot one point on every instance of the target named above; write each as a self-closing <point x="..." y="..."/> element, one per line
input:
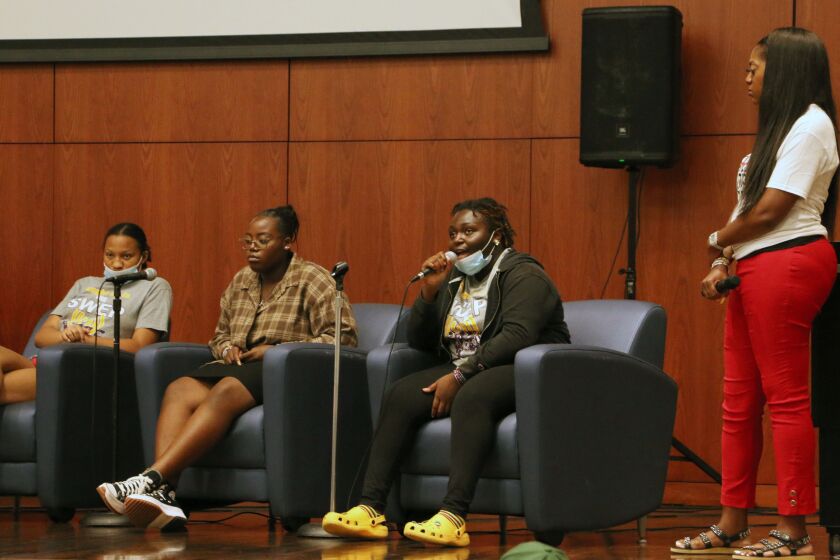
<point x="226" y="350"/>
<point x="720" y="261"/>
<point x="459" y="376"/>
<point x="713" y="242"/>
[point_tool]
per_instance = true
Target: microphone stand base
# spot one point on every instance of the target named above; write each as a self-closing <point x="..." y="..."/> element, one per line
<point x="105" y="519"/>
<point x="315" y="531"/>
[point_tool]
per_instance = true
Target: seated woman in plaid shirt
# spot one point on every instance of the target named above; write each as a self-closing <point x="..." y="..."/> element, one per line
<point x="277" y="298"/>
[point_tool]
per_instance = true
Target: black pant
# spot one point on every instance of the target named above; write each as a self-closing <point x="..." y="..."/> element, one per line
<point x="478" y="407"/>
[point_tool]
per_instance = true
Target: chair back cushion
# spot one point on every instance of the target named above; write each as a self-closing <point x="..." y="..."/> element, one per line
<point x="30" y="349"/>
<point x="633" y="327"/>
<point x="376" y="322"/>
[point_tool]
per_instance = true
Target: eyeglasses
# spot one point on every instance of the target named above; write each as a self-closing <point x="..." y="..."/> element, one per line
<point x="261" y="242"/>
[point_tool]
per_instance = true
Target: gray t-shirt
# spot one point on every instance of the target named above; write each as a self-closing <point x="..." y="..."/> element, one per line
<point x="145" y="305"/>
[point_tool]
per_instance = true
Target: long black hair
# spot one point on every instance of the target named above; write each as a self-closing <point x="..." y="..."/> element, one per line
<point x="133" y="231"/>
<point x="494" y="214"/>
<point x="796" y="74"/>
<point x="287" y="220"/>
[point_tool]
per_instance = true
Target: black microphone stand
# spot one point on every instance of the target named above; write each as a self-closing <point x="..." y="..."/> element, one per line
<point x="315" y="530"/>
<point x="629" y="273"/>
<point x="110" y="519"/>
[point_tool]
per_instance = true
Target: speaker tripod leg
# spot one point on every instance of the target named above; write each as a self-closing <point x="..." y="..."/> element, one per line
<point x="694" y="458"/>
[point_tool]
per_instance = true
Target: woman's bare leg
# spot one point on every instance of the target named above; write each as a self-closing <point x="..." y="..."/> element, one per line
<point x="208" y="424"/>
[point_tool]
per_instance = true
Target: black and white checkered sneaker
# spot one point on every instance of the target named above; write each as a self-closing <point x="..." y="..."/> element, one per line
<point x="115" y="493"/>
<point x="157" y="510"/>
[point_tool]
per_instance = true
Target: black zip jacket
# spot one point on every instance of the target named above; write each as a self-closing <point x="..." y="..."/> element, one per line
<point x="523" y="309"/>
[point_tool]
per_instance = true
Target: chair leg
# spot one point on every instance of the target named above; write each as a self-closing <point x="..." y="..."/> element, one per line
<point x="16" y="509"/>
<point x="641" y="528"/>
<point x="503" y="529"/>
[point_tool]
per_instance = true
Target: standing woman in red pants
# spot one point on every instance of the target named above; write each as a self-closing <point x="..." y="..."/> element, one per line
<point x="777" y="233"/>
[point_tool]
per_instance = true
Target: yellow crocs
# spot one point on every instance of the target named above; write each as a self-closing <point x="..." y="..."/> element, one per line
<point x="362" y="522"/>
<point x="443" y="528"/>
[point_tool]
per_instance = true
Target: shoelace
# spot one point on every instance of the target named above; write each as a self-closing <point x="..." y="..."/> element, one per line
<point x="134" y="485"/>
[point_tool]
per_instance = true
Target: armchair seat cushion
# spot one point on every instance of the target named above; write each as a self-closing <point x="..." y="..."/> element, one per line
<point x="242" y="447"/>
<point x="17" y="432"/>
<point x="430" y="453"/>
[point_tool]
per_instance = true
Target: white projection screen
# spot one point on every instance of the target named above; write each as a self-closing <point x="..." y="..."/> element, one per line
<point x="109" y="30"/>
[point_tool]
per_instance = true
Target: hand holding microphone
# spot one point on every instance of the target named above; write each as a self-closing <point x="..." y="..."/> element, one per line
<point x="433" y="273"/>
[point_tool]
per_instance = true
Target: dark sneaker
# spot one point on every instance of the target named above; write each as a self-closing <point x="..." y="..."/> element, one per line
<point x="115" y="493"/>
<point x="157" y="510"/>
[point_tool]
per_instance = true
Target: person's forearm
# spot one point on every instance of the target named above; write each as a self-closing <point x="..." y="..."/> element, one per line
<point x="745" y="228"/>
<point x="127" y="344"/>
<point x="48" y="337"/>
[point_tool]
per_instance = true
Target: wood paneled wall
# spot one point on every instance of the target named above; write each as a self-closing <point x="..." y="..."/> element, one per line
<point x="373" y="153"/>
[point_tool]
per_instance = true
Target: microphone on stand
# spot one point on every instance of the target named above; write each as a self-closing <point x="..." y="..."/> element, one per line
<point x="728" y="283"/>
<point x="450" y="257"/>
<point x="147" y="274"/>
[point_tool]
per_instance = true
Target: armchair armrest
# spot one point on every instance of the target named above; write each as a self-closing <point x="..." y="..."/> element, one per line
<point x="74" y="423"/>
<point x="298" y="405"/>
<point x="594" y="429"/>
<point x="404" y="360"/>
<point x="157" y="365"/>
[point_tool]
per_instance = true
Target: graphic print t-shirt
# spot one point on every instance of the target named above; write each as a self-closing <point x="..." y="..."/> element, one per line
<point x="145" y="305"/>
<point x="467" y="315"/>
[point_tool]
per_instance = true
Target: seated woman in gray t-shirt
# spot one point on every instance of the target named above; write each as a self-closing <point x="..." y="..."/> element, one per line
<point x="79" y="318"/>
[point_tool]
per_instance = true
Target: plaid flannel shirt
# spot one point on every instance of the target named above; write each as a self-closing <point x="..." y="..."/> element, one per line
<point x="299" y="309"/>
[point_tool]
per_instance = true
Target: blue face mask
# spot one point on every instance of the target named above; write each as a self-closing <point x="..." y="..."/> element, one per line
<point x="474" y="263"/>
<point x="111" y="273"/>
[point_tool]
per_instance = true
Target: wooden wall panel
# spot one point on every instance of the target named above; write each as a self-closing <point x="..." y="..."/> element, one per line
<point x="384" y="206"/>
<point x="172" y="102"/>
<point x="26" y="103"/>
<point x="26" y="197"/>
<point x="823" y="18"/>
<point x="193" y="200"/>
<point x="717" y="38"/>
<point x="411" y="98"/>
<point x="576" y="221"/>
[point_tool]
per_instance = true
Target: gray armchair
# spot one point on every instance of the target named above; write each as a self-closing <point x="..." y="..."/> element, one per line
<point x="588" y="446"/>
<point x="278" y="452"/>
<point x="72" y="416"/>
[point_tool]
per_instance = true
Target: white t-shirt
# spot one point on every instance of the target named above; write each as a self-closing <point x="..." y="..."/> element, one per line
<point x="805" y="164"/>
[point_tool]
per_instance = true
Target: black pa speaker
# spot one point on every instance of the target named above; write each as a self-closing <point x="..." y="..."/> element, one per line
<point x="630" y="86"/>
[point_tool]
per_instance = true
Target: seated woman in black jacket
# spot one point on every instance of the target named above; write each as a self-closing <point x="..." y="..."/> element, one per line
<point x="479" y="312"/>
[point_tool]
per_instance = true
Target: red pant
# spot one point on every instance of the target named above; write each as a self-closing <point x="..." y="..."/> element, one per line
<point x="766" y="359"/>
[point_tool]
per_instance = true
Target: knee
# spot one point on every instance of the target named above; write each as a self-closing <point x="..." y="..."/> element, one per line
<point x="229" y="394"/>
<point x="180" y="389"/>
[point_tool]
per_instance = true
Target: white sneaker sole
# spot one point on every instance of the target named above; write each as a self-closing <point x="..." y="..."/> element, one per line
<point x="110" y="499"/>
<point x="145" y="511"/>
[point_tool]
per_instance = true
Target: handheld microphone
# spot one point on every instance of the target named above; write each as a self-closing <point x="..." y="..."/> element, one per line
<point x="450" y="257"/>
<point x="728" y="283"/>
<point x="147" y="274"/>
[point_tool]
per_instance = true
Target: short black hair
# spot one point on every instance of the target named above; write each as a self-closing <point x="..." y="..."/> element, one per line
<point x="494" y="214"/>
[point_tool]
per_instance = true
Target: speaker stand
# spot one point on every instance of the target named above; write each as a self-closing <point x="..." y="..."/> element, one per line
<point x="634" y="173"/>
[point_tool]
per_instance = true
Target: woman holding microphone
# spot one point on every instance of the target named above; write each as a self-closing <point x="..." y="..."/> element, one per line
<point x="478" y="312"/>
<point x="777" y="233"/>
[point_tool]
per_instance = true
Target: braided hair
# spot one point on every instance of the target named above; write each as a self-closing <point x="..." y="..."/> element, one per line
<point x="494" y="214"/>
<point x="287" y="220"/>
